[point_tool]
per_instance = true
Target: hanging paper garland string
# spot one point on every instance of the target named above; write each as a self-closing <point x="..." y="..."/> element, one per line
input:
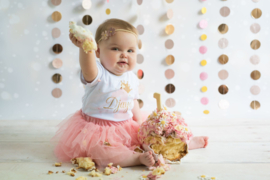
<point x="203" y="49"/>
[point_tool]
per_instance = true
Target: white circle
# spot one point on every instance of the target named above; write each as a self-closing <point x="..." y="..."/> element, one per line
<point x="224" y="104"/>
<point x="44" y="33"/>
<point x="10" y="70"/>
<point x="86" y="4"/>
<point x="36" y="66"/>
<point x="4" y="4"/>
<point x="2" y="85"/>
<point x="14" y="19"/>
<point x="26" y="31"/>
<point x="5" y="95"/>
<point x="35" y="49"/>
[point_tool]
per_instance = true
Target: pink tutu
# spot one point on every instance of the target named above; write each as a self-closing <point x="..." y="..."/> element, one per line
<point x="80" y="135"/>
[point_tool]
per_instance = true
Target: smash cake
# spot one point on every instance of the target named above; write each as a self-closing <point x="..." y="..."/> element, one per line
<point x="165" y="133"/>
<point x="83" y="35"/>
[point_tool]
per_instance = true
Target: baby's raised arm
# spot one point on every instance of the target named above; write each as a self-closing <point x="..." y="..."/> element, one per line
<point x="83" y="39"/>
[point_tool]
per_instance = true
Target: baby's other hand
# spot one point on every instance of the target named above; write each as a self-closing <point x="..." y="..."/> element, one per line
<point x="75" y="41"/>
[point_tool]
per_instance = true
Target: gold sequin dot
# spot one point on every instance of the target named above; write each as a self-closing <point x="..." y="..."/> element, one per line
<point x="203" y="37"/>
<point x="203" y="10"/>
<point x="204" y="89"/>
<point x="203" y="62"/>
<point x="206" y="112"/>
<point x="108" y="11"/>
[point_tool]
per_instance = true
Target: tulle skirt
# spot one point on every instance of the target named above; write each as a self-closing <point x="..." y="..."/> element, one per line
<point x="80" y="135"/>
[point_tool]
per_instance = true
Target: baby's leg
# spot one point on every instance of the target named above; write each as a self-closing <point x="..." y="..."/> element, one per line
<point x="198" y="142"/>
<point x="138" y="159"/>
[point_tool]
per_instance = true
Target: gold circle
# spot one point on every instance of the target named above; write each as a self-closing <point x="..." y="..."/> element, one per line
<point x="255" y="75"/>
<point x="204" y="89"/>
<point x="256" y="13"/>
<point x="206" y="112"/>
<point x="56" y="16"/>
<point x="108" y="11"/>
<point x="203" y="37"/>
<point x="223" y="59"/>
<point x="57" y="48"/>
<point x="87" y="20"/>
<point x="169" y="29"/>
<point x="223" y="28"/>
<point x="223" y="89"/>
<point x="170" y="59"/>
<point x="255" y="105"/>
<point x="140" y="44"/>
<point x="140" y="103"/>
<point x="255" y="44"/>
<point x="170" y="88"/>
<point x="203" y="62"/>
<point x="57" y="78"/>
<point x="169" y="1"/>
<point x="203" y="10"/>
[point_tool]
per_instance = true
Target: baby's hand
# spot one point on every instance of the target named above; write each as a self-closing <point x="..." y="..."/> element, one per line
<point x="75" y="41"/>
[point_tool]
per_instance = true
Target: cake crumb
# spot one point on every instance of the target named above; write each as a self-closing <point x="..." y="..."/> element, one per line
<point x="73" y="170"/>
<point x="81" y="178"/>
<point x="50" y="172"/>
<point x="58" y="164"/>
<point x="107" y="171"/>
<point x="63" y="171"/>
<point x="56" y="172"/>
<point x="71" y="174"/>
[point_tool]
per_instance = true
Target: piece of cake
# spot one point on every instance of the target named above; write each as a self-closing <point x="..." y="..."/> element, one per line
<point x="83" y="35"/>
<point x="84" y="162"/>
<point x="165" y="133"/>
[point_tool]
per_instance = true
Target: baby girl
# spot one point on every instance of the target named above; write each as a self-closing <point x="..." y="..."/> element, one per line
<point x="106" y="126"/>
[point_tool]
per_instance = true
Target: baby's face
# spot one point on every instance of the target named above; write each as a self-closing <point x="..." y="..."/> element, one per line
<point x="118" y="54"/>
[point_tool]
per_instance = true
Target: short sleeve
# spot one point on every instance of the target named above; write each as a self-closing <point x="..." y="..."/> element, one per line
<point x="95" y="81"/>
<point x="136" y="93"/>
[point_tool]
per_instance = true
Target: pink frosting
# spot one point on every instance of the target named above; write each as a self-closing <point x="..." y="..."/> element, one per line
<point x="164" y="123"/>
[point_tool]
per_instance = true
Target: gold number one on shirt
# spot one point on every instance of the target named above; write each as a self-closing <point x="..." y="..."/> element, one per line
<point x="157" y="96"/>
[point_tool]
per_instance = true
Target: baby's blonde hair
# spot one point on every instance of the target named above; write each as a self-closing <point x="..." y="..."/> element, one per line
<point x="117" y="24"/>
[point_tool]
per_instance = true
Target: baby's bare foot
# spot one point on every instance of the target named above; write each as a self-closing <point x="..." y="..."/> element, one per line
<point x="147" y="159"/>
<point x="198" y="142"/>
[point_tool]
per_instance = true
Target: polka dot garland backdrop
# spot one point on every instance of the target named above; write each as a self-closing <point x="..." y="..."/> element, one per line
<point x="169" y="44"/>
<point x="198" y="82"/>
<point x="203" y="50"/>
<point x="57" y="49"/>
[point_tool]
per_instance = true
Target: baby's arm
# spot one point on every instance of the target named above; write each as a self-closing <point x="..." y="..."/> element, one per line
<point x="137" y="112"/>
<point x="87" y="61"/>
<point x="88" y="65"/>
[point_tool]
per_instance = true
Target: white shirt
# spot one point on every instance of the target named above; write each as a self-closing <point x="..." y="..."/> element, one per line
<point x="110" y="97"/>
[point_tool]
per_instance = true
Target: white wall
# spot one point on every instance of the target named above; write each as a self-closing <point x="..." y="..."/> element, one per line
<point x="26" y="56"/>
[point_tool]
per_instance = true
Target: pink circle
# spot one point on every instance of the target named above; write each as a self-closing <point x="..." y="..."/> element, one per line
<point x="169" y="73"/>
<point x="203" y="49"/>
<point x="203" y="24"/>
<point x="204" y="100"/>
<point x="203" y="76"/>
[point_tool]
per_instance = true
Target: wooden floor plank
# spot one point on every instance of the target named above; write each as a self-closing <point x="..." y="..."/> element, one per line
<point x="216" y="152"/>
<point x="185" y="171"/>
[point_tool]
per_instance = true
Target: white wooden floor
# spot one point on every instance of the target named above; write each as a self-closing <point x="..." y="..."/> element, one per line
<point x="239" y="149"/>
